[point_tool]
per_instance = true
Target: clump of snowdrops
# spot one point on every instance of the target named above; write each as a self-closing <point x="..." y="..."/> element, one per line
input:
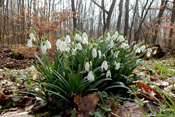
<point x="83" y="65"/>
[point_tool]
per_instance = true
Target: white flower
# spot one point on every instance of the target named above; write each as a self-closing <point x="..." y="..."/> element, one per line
<point x="32" y="36"/>
<point x="107" y="39"/>
<point x="142" y="48"/>
<point x="64" y="47"/>
<point x="149" y="52"/>
<point x="139" y="60"/>
<point x="104" y="65"/>
<point x="99" y="53"/>
<point x="138" y="50"/>
<point x="67" y="39"/>
<point x="90" y="76"/>
<point x="79" y="46"/>
<point x="43" y="48"/>
<point x="84" y="38"/>
<point x="121" y="38"/>
<point x="155" y="51"/>
<point x="58" y="44"/>
<point x="135" y="46"/>
<point x="87" y="65"/>
<point x="74" y="51"/>
<point x="108" y="34"/>
<point x="90" y="63"/>
<point x="78" y="37"/>
<point x="108" y="74"/>
<point x="94" y="53"/>
<point x="117" y="65"/>
<point x="116" y="54"/>
<point x="124" y="46"/>
<point x="111" y="45"/>
<point x="115" y="35"/>
<point x="48" y="45"/>
<point x="29" y="43"/>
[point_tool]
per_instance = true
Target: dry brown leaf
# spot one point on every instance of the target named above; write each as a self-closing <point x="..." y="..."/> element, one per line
<point x="87" y="103"/>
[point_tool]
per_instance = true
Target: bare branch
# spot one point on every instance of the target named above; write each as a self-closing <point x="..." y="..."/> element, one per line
<point x="100" y="6"/>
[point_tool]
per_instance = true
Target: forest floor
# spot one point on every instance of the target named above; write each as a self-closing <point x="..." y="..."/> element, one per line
<point x="15" y="68"/>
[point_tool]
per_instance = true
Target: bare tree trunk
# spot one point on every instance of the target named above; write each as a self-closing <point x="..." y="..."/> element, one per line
<point x="104" y="18"/>
<point x="136" y="35"/>
<point x="161" y="11"/>
<point x="74" y="16"/>
<point x="120" y="14"/>
<point x="126" y="18"/>
<point x="172" y="22"/>
<point x="133" y="20"/>
<point x="106" y="23"/>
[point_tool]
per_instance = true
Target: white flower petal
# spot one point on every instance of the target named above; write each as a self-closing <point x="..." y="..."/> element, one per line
<point x="78" y="37"/>
<point x="67" y="39"/>
<point x="48" y="45"/>
<point x="90" y="76"/>
<point x="43" y="48"/>
<point x="32" y="36"/>
<point x="85" y="38"/>
<point x="94" y="52"/>
<point x="99" y="53"/>
<point x="108" y="74"/>
<point x="29" y="43"/>
<point x="104" y="65"/>
<point x="87" y="65"/>
<point x="117" y="66"/>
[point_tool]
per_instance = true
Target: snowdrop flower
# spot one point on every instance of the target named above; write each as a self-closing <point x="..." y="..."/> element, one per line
<point x="149" y="52"/>
<point x="48" y="45"/>
<point x="94" y="53"/>
<point x="107" y="39"/>
<point x="104" y="65"/>
<point x="87" y="65"/>
<point x="64" y="47"/>
<point x="111" y="45"/>
<point x="138" y="50"/>
<point x="84" y="38"/>
<point x="108" y="74"/>
<point x="90" y="76"/>
<point x="139" y="60"/>
<point x="112" y="52"/>
<point x="108" y="34"/>
<point x="117" y="65"/>
<point x="115" y="35"/>
<point x="121" y="38"/>
<point x="142" y="48"/>
<point x="99" y="53"/>
<point x="124" y="46"/>
<point x="78" y="37"/>
<point x="43" y="48"/>
<point x="74" y="51"/>
<point x="116" y="54"/>
<point x="155" y="51"/>
<point x="29" y="43"/>
<point x="32" y="36"/>
<point x="67" y="39"/>
<point x="79" y="46"/>
<point x="58" y="44"/>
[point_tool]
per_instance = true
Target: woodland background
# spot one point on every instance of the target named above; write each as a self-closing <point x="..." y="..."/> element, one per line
<point x="151" y="21"/>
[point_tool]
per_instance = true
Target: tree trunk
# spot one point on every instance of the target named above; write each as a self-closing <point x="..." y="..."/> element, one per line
<point x="126" y="18"/>
<point x="74" y="16"/>
<point x="133" y="20"/>
<point x="161" y="11"/>
<point x="172" y="23"/>
<point x="120" y="14"/>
